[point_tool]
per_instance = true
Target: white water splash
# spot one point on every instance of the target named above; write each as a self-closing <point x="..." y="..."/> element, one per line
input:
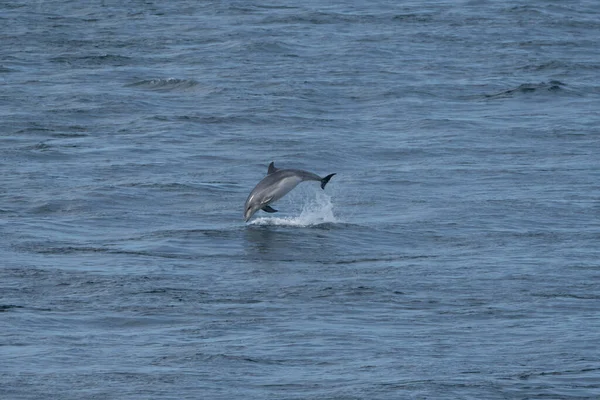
<point x="314" y="211"/>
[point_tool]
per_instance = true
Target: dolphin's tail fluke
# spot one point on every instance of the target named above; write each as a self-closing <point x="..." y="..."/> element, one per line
<point x="325" y="180"/>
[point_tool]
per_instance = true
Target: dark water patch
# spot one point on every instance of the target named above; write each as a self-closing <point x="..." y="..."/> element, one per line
<point x="54" y="149"/>
<point x="13" y="307"/>
<point x="39" y="136"/>
<point x="414" y="18"/>
<point x="164" y="252"/>
<point x="562" y="67"/>
<point x="530" y="88"/>
<point x="262" y="46"/>
<point x="529" y="375"/>
<point x="240" y="118"/>
<point x="223" y="359"/>
<point x="53" y="249"/>
<point x="176" y="294"/>
<point x="5" y="70"/>
<point x="99" y="60"/>
<point x="185" y="234"/>
<point x="321" y="18"/>
<point x="231" y="300"/>
<point x="566" y="295"/>
<point x="261" y="8"/>
<point x="9" y="307"/>
<point x="34" y="128"/>
<point x="70" y="132"/>
<point x="241" y="141"/>
<point x="164" y="187"/>
<point x="381" y="259"/>
<point x="352" y="291"/>
<point x="289" y="225"/>
<point x="552" y="65"/>
<point x="60" y="206"/>
<point x="528" y="10"/>
<point x="328" y="226"/>
<point x="165" y="84"/>
<point x="40" y="147"/>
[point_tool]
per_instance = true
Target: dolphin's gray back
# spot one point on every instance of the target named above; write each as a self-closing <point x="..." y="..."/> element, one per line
<point x="304" y="175"/>
<point x="277" y="184"/>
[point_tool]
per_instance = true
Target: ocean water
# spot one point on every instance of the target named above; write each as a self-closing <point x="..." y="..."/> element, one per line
<point x="455" y="255"/>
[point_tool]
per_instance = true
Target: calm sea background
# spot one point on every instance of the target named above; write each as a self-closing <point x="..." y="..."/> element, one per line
<point x="455" y="255"/>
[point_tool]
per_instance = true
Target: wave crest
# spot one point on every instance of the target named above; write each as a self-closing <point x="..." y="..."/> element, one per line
<point x="164" y="84"/>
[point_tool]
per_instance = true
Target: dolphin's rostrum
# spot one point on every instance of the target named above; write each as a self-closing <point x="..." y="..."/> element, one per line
<point x="275" y="185"/>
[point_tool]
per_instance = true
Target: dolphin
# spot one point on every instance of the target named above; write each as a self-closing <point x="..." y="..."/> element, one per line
<point x="275" y="185"/>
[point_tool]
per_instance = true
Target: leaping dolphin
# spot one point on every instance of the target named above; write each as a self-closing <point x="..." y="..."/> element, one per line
<point x="275" y="185"/>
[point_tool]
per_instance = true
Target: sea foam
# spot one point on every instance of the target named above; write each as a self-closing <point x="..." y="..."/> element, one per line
<point x="315" y="209"/>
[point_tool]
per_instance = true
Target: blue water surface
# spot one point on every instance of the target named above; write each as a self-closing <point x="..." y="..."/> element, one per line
<point x="455" y="255"/>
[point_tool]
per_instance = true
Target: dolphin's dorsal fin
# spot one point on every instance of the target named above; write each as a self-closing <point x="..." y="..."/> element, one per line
<point x="271" y="168"/>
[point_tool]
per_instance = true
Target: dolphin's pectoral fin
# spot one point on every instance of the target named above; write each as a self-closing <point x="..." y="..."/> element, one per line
<point x="269" y="209"/>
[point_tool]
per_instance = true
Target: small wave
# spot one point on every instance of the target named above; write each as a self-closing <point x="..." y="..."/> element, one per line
<point x="414" y="17"/>
<point x="314" y="213"/>
<point x="263" y="47"/>
<point x="92" y="60"/>
<point x="269" y="46"/>
<point x="560" y="66"/>
<point x="551" y="86"/>
<point x="4" y="69"/>
<point x="8" y="307"/>
<point x="168" y="84"/>
<point x="546" y="66"/>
